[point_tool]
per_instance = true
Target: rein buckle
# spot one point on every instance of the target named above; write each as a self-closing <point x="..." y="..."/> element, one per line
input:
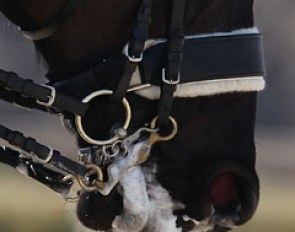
<point x="47" y="159"/>
<point x="132" y="59"/>
<point x="51" y="97"/>
<point x="171" y="81"/>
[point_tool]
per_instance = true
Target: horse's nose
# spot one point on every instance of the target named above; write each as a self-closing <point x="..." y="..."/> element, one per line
<point x="234" y="193"/>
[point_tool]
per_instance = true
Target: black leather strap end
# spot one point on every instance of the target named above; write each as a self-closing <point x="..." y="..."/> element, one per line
<point x="124" y="82"/>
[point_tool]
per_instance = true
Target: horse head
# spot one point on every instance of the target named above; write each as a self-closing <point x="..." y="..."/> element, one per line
<point x="203" y="179"/>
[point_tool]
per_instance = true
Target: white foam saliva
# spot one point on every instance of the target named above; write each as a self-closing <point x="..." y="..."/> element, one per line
<point x="147" y="206"/>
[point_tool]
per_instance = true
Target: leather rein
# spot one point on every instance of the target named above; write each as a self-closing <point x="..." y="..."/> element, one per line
<point x="165" y="65"/>
<point x="89" y="175"/>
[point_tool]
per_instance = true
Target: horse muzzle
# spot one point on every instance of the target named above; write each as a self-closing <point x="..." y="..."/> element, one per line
<point x="234" y="193"/>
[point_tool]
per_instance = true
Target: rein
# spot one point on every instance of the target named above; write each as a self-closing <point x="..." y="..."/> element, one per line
<point x="166" y="65"/>
<point x="48" y="98"/>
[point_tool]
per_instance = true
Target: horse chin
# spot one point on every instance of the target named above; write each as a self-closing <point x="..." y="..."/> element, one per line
<point x="97" y="212"/>
<point x="223" y="195"/>
<point x="139" y="203"/>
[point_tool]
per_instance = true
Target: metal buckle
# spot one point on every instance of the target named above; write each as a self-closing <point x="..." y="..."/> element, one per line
<point x="51" y="97"/>
<point x="170" y="82"/>
<point x="47" y="159"/>
<point x="133" y="58"/>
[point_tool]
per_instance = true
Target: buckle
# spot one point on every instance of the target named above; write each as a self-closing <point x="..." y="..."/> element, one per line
<point x="171" y="81"/>
<point x="51" y="97"/>
<point x="132" y="58"/>
<point x="47" y="159"/>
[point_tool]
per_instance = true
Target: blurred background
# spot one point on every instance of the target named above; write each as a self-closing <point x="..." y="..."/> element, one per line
<point x="28" y="206"/>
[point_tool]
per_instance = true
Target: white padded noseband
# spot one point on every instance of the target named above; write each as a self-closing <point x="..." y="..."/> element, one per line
<point x="208" y="87"/>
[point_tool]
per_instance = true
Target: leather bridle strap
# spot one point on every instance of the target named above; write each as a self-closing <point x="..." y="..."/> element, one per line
<point x="27" y="166"/>
<point x="43" y="32"/>
<point x="171" y="74"/>
<point x="135" y="48"/>
<point x="42" y="95"/>
<point x="42" y="153"/>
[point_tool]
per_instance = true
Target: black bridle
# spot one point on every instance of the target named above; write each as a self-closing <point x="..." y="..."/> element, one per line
<point x="48" y="98"/>
<point x="166" y="65"/>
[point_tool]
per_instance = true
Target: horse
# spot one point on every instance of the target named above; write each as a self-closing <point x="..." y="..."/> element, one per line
<point x="203" y="178"/>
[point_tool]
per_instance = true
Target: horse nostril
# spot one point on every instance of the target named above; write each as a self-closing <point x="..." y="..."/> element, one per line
<point x="224" y="191"/>
<point x="234" y="193"/>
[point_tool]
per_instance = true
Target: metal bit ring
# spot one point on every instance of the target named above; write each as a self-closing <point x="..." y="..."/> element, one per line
<point x="85" y="186"/>
<point x="81" y="130"/>
<point x="115" y="149"/>
<point x="169" y="136"/>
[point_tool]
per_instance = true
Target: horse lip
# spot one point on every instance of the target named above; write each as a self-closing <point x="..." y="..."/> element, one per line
<point x="228" y="221"/>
